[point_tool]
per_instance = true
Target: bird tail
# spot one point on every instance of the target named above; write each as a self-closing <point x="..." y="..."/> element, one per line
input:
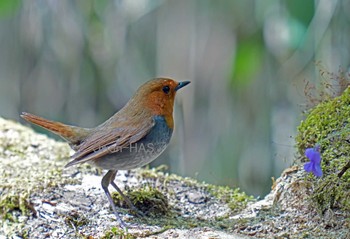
<point x="74" y="135"/>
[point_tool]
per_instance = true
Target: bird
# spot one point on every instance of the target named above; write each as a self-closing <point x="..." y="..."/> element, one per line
<point x="133" y="137"/>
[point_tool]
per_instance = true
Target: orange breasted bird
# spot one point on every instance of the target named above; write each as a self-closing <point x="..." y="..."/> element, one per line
<point x="131" y="138"/>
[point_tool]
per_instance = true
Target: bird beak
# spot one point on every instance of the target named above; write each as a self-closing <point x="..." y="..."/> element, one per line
<point x="182" y="84"/>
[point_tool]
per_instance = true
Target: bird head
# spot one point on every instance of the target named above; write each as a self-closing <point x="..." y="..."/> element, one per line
<point x="157" y="96"/>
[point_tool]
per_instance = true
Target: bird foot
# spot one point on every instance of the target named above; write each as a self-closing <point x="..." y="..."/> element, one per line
<point x="123" y="225"/>
<point x="137" y="212"/>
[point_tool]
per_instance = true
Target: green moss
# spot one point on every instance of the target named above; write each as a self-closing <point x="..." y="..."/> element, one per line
<point x="332" y="193"/>
<point x="14" y="202"/>
<point x="75" y="220"/>
<point x="116" y="232"/>
<point x="148" y="200"/>
<point x="32" y="163"/>
<point x="24" y="234"/>
<point x="153" y="173"/>
<point x="154" y="203"/>
<point x="29" y="163"/>
<point x="328" y="124"/>
<point x="235" y="199"/>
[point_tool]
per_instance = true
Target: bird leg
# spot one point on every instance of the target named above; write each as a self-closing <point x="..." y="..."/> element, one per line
<point x="126" y="199"/>
<point x="106" y="180"/>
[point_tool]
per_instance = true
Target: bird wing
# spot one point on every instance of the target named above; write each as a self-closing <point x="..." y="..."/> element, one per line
<point x="109" y="140"/>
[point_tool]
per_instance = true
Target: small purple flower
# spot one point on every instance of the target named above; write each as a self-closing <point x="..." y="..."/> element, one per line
<point x="314" y="165"/>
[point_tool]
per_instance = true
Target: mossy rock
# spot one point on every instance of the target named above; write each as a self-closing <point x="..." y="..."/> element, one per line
<point x="24" y="169"/>
<point x="148" y="200"/>
<point x="328" y="124"/>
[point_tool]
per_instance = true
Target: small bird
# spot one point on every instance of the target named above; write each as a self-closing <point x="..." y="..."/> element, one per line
<point x="133" y="137"/>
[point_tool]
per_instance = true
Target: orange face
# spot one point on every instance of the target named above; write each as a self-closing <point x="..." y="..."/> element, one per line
<point x="158" y="96"/>
<point x="161" y="95"/>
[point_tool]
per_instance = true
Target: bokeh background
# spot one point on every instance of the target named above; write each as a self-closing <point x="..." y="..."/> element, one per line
<point x="249" y="62"/>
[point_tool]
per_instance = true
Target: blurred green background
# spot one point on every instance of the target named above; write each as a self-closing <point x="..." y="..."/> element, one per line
<point x="80" y="61"/>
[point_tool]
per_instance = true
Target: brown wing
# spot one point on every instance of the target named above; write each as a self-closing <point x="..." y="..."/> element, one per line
<point x="106" y="141"/>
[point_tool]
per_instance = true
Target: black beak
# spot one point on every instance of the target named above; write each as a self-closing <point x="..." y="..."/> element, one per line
<point x="182" y="84"/>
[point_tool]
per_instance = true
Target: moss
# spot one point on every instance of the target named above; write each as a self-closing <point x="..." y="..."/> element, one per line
<point x="24" y="234"/>
<point x="328" y="124"/>
<point x="153" y="202"/>
<point x="29" y="163"/>
<point x="14" y="202"/>
<point x="235" y="199"/>
<point x="148" y="200"/>
<point x="332" y="193"/>
<point x="32" y="163"/>
<point x="116" y="232"/>
<point x="153" y="173"/>
<point x="75" y="220"/>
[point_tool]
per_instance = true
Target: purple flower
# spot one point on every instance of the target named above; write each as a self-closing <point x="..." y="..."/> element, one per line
<point x="314" y="165"/>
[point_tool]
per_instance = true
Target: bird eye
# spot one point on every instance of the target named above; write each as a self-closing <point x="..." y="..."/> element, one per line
<point x="166" y="89"/>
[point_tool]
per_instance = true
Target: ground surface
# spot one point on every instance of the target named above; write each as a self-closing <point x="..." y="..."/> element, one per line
<point x="38" y="199"/>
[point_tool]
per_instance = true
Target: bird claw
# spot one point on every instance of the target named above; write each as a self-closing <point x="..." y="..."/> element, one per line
<point x="139" y="213"/>
<point x="123" y="225"/>
<point x="136" y="210"/>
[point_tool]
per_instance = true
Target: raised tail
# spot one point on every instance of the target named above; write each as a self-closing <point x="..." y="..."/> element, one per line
<point x="74" y="135"/>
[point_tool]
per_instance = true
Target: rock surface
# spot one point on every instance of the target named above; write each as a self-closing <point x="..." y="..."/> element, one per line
<point x="38" y="199"/>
